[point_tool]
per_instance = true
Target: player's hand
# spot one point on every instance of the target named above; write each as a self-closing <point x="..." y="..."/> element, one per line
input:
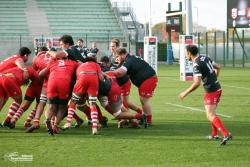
<point x="182" y="95"/>
<point x="47" y="54"/>
<point x="25" y="74"/>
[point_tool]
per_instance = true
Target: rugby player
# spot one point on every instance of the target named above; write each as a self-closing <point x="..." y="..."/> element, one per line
<point x="142" y="75"/>
<point x="207" y="71"/>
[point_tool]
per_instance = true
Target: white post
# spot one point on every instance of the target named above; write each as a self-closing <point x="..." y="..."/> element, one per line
<point x="189" y="20"/>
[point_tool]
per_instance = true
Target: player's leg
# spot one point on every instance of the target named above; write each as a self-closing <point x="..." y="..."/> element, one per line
<point x="13" y="108"/>
<point x="211" y="100"/>
<point x="24" y="106"/>
<point x="125" y="92"/>
<point x="11" y="89"/>
<point x="32" y="92"/>
<point x="146" y="91"/>
<point x="31" y="116"/>
<point x="216" y="121"/>
<point x="53" y="102"/>
<point x="86" y="110"/>
<point x="71" y="112"/>
<point x="3" y="98"/>
<point x="52" y="109"/>
<point x="130" y="104"/>
<point x="62" y="108"/>
<point x="2" y="102"/>
<point x="94" y="112"/>
<point x="39" y="111"/>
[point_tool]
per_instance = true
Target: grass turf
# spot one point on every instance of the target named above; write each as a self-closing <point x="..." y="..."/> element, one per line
<point x="177" y="138"/>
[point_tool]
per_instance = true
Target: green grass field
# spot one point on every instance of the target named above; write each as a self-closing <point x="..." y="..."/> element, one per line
<point x="177" y="138"/>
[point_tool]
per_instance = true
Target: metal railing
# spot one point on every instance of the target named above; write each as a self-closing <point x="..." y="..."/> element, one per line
<point x="225" y="47"/>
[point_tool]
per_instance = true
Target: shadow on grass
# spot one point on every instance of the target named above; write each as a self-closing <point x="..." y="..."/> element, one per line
<point x="170" y="129"/>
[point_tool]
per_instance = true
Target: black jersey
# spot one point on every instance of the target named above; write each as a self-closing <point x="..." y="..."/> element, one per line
<point x="121" y="80"/>
<point x="111" y="59"/>
<point x="94" y="50"/>
<point x="83" y="50"/>
<point x="74" y="54"/>
<point x="137" y="69"/>
<point x="203" y="66"/>
<point x="104" y="87"/>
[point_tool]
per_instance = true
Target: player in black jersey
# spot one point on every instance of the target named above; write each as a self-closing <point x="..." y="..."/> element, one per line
<point x="207" y="71"/>
<point x="140" y="73"/>
<point x="114" y="44"/>
<point x="124" y="83"/>
<point x="68" y="50"/>
<point x="82" y="48"/>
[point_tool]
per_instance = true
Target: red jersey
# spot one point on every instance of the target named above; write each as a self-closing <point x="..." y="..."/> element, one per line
<point x="88" y="67"/>
<point x="9" y="62"/>
<point x="18" y="73"/>
<point x="40" y="61"/>
<point x="62" y="69"/>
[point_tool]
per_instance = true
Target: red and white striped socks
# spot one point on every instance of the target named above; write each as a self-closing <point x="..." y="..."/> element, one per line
<point x="71" y="112"/>
<point x="94" y="118"/>
<point x="31" y="116"/>
<point x="18" y="114"/>
<point x="12" y="110"/>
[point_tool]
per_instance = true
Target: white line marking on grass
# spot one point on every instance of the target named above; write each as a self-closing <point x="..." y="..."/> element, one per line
<point x="196" y="109"/>
<point x="238" y="87"/>
<point x="223" y="85"/>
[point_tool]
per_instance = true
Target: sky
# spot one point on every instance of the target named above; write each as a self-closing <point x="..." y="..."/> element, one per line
<point x="211" y="13"/>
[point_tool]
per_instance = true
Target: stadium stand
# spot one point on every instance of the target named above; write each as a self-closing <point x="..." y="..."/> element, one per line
<point x="13" y="20"/>
<point x="94" y="19"/>
<point x="22" y="20"/>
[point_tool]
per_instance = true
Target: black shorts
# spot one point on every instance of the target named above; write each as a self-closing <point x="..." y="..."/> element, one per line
<point x="56" y="100"/>
<point x="31" y="99"/>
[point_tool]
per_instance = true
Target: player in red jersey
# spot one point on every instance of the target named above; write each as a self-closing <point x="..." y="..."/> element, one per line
<point x="11" y="81"/>
<point x="109" y="95"/>
<point x="40" y="62"/>
<point x="17" y="60"/>
<point x="207" y="71"/>
<point x="34" y="89"/>
<point x="58" y="90"/>
<point x="88" y="76"/>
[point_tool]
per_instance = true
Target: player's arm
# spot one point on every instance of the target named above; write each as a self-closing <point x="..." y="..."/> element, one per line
<point x="100" y="76"/>
<point x="34" y="75"/>
<point x="216" y="68"/>
<point x="57" y="55"/>
<point x="105" y="76"/>
<point x="120" y="72"/>
<point x="195" y="85"/>
<point x="43" y="72"/>
<point x="20" y="64"/>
